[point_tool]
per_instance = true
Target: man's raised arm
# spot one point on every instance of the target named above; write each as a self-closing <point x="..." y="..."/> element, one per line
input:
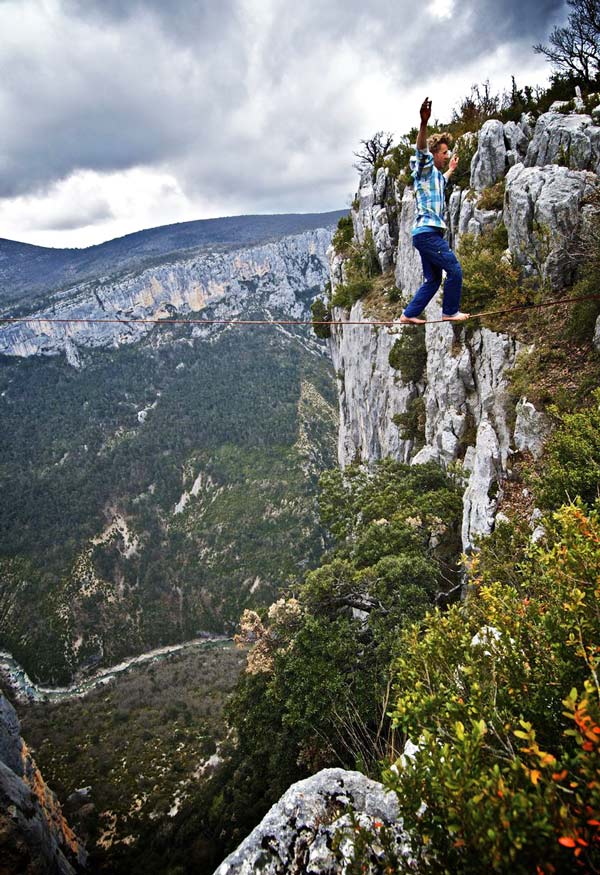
<point x="425" y="116"/>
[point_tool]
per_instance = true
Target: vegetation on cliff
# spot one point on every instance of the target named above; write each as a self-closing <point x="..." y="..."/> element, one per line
<point x="200" y="451"/>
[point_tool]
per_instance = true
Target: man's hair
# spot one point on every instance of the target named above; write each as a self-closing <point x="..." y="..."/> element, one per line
<point x="435" y="141"/>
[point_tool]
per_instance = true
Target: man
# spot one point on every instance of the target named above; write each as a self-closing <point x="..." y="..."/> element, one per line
<point x="428" y="231"/>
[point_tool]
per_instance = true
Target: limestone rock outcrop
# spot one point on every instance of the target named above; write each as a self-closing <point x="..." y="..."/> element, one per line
<point x="296" y="836"/>
<point x="489" y="162"/>
<point x="542" y="214"/>
<point x="499" y="146"/>
<point x="571" y="140"/>
<point x="34" y="836"/>
<point x="469" y="416"/>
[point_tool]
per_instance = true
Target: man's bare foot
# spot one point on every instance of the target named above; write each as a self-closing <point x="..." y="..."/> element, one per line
<point x="458" y="317"/>
<point x="410" y="320"/>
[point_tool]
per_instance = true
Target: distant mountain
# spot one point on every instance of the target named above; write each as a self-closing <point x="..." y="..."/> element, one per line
<point x="158" y="479"/>
<point x="26" y="271"/>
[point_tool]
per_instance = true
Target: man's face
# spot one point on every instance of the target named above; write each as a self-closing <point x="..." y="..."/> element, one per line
<point x="441" y="156"/>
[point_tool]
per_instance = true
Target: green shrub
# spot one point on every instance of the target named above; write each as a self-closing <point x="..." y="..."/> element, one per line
<point x="349" y="293"/>
<point x="318" y="672"/>
<point x="492" y="198"/>
<point x="489" y="281"/>
<point x="344" y="234"/>
<point x="571" y="462"/>
<point x="361" y="266"/>
<point x="411" y="423"/>
<point x="409" y="355"/>
<point x="321" y="313"/>
<point x="398" y="161"/>
<point x="501" y="694"/>
<point x="581" y="321"/>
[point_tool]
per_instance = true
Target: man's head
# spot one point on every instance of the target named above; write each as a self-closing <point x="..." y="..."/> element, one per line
<point x="439" y="146"/>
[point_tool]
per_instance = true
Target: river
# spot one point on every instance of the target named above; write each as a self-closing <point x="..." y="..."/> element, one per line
<point x="26" y="690"/>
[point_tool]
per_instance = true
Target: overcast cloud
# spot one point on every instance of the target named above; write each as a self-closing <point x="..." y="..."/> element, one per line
<point x="117" y="115"/>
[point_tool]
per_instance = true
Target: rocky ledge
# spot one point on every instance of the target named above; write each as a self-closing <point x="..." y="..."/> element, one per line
<point x="310" y="830"/>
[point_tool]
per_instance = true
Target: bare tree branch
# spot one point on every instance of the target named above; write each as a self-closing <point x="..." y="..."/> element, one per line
<point x="575" y="48"/>
<point x="373" y="150"/>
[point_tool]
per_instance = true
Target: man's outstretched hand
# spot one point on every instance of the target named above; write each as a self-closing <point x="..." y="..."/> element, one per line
<point x="425" y="111"/>
<point x="453" y="163"/>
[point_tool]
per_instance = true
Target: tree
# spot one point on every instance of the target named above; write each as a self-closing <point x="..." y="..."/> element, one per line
<point x="373" y="150"/>
<point x="477" y="107"/>
<point x="575" y="48"/>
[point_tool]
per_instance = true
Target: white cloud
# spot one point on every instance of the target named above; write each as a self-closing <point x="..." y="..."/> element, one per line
<point x="441" y="9"/>
<point x="90" y="207"/>
<point x="242" y="106"/>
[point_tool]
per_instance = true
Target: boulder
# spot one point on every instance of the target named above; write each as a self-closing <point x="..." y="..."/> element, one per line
<point x="542" y="214"/>
<point x="489" y="161"/>
<point x="532" y="429"/>
<point x="570" y="140"/>
<point x="296" y="835"/>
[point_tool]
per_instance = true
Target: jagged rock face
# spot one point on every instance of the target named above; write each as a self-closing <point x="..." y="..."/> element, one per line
<point x="376" y="213"/>
<point x="409" y="273"/>
<point x="468" y="413"/>
<point x="489" y="162"/>
<point x="532" y="428"/>
<point x="268" y="277"/>
<point x="368" y="397"/>
<point x="499" y="146"/>
<point x="465" y="402"/>
<point x="34" y="836"/>
<point x="542" y="214"/>
<point x="572" y="140"/>
<point x="296" y="835"/>
<point x="465" y="217"/>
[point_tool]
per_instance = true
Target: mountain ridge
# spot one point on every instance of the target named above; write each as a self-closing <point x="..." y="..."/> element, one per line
<point x="28" y="271"/>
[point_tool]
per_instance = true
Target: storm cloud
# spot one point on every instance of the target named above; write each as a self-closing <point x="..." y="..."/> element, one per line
<point x="245" y="105"/>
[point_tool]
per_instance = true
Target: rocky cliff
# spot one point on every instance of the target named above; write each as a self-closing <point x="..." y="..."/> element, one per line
<point x="548" y="168"/>
<point x="270" y="278"/>
<point x="34" y="836"/>
<point x="457" y="383"/>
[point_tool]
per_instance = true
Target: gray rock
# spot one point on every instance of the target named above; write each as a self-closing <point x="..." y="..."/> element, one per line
<point x="296" y="835"/>
<point x="380" y="185"/>
<point x="454" y="212"/>
<point x="596" y="340"/>
<point x="10" y="737"/>
<point x="527" y="124"/>
<point x="532" y="429"/>
<point x="409" y="272"/>
<point x="489" y="161"/>
<point x="516" y="139"/>
<point x="481" y="495"/>
<point x="571" y="140"/>
<point x="542" y="214"/>
<point x="383" y="240"/>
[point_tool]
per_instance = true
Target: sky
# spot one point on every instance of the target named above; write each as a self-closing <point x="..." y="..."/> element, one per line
<point x="119" y="115"/>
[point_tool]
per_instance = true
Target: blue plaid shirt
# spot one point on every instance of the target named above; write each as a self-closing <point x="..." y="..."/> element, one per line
<point x="429" y="186"/>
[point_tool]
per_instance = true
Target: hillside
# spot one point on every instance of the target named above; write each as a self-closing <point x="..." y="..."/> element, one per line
<point x="26" y="271"/>
<point x="157" y="481"/>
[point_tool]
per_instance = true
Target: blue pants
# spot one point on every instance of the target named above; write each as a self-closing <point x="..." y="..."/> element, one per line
<point x="436" y="256"/>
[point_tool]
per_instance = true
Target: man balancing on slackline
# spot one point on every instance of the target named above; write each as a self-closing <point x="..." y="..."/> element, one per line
<point x="428" y="231"/>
